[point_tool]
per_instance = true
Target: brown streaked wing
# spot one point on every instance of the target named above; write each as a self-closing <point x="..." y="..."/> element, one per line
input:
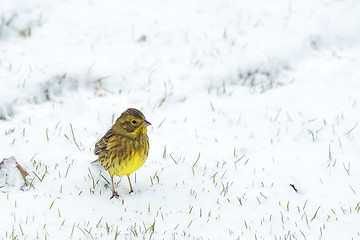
<point x="102" y="144"/>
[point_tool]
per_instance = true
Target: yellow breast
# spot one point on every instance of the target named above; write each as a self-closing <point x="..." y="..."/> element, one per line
<point x="124" y="167"/>
<point x="122" y="155"/>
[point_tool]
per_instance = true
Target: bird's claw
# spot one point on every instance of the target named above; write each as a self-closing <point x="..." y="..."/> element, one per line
<point x="115" y="194"/>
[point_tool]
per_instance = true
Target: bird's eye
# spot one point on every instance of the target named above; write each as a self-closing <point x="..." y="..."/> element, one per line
<point x="133" y="122"/>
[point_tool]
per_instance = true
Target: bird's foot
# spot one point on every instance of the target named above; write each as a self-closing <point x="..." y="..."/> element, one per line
<point x="115" y="194"/>
<point x="131" y="191"/>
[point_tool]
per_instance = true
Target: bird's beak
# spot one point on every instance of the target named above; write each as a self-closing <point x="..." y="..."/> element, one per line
<point x="146" y="123"/>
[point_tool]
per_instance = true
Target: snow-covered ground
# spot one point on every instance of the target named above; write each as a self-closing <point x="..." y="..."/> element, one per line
<point x="249" y="101"/>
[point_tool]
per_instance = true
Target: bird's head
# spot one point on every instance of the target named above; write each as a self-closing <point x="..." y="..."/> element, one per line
<point x="131" y="123"/>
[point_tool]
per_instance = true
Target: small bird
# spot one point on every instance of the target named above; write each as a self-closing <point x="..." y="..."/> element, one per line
<point x="125" y="147"/>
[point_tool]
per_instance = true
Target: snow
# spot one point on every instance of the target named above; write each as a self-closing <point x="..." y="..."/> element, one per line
<point x="245" y="98"/>
<point x="10" y="175"/>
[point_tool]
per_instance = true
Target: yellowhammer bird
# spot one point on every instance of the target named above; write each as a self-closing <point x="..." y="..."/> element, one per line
<point x="125" y="147"/>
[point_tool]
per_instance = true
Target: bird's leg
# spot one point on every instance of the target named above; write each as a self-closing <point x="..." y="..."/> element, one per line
<point x="131" y="189"/>
<point x="114" y="193"/>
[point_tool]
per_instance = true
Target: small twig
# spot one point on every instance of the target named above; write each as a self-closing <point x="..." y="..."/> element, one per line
<point x="293" y="186"/>
<point x="263" y="195"/>
<point x="105" y="179"/>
